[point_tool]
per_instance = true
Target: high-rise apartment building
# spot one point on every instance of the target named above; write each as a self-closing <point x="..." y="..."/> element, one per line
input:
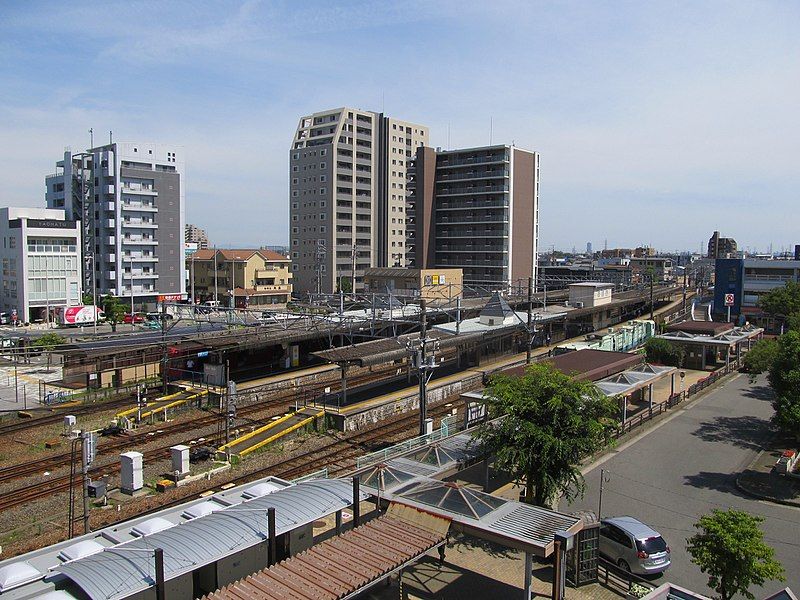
<point x="130" y="199"/>
<point x="476" y="209"/>
<point x="348" y="180"/>
<point x="194" y="235"/>
<point x="721" y="247"/>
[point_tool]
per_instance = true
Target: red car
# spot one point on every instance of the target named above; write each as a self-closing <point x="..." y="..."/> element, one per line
<point x="135" y="318"/>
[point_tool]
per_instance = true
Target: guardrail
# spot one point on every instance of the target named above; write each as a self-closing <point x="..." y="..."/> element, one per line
<point x="449" y="425"/>
<point x="321" y="474"/>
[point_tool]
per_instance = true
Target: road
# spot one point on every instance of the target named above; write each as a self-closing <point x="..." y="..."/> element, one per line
<point x="685" y="467"/>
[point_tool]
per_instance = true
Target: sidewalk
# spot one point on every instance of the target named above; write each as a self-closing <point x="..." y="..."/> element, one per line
<point x="477" y="569"/>
<point x="761" y="481"/>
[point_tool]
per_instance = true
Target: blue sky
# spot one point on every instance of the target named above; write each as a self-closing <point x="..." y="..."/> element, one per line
<point x="657" y="122"/>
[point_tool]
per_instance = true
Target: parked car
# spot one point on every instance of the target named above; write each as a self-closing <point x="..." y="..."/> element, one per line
<point x="633" y="546"/>
<point x="157" y="316"/>
<point x="134" y="318"/>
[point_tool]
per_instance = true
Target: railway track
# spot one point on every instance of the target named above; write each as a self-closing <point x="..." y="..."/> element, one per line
<point x="58" y="414"/>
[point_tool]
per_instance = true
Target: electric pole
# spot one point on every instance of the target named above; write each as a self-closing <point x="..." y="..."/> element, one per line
<point x="353" y="287"/>
<point x="530" y="318"/>
<point x="421" y="367"/>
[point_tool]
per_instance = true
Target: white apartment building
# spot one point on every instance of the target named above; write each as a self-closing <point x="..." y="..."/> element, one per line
<point x="347" y="185"/>
<point x="41" y="258"/>
<point x="130" y="199"/>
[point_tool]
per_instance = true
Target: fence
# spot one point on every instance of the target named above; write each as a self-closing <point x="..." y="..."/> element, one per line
<point x="449" y="425"/>
<point x="618" y="579"/>
<point x="675" y="399"/>
<point x="88" y="396"/>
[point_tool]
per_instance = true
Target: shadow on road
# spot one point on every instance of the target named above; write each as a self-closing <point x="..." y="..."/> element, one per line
<point x="759" y="392"/>
<point x="721" y="482"/>
<point x="743" y="432"/>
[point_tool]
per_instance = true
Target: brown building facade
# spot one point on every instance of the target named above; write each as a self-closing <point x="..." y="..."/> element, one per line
<point x="475" y="209"/>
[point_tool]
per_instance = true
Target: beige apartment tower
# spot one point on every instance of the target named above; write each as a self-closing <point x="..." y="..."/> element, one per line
<point x="348" y="180"/>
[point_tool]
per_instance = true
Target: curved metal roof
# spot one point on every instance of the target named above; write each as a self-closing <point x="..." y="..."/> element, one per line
<point x="128" y="568"/>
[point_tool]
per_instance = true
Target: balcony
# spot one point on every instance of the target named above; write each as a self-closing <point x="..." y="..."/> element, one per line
<point x="471" y="191"/>
<point x="494" y="174"/>
<point x="111" y="206"/>
<point x="139" y="275"/>
<point x="139" y="223"/>
<point x="110" y="223"/>
<point x="111" y="240"/>
<point x="128" y="188"/>
<point x="264" y="273"/>
<point x="467" y="219"/>
<point x="139" y="240"/>
<point x="273" y="288"/>
<point x="476" y="160"/>
<point x="138" y="206"/>
<point x="139" y="258"/>
<point x="476" y="248"/>
<point x="482" y="205"/>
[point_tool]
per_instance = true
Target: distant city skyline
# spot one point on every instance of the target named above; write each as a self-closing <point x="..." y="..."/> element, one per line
<point x="653" y="122"/>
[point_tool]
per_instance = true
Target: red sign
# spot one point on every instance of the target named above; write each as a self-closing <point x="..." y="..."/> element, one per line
<point x="729" y="298"/>
<point x="170" y="297"/>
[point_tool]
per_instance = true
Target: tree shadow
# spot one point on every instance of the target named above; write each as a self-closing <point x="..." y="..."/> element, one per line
<point x="747" y="432"/>
<point x="759" y="392"/>
<point x="720" y="482"/>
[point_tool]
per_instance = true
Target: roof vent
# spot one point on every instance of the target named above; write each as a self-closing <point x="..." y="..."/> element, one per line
<point x="17" y="574"/>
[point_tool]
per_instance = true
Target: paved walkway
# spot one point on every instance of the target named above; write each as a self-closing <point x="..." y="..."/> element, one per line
<point x="762" y="481"/>
<point x="474" y="569"/>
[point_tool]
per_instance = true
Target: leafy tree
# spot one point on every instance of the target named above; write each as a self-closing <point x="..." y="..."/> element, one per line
<point x="551" y="423"/>
<point x="761" y="356"/>
<point x="88" y="299"/>
<point x="48" y="342"/>
<point x="345" y="285"/>
<point x="659" y="350"/>
<point x="782" y="301"/>
<point x="729" y="548"/>
<point x="784" y="379"/>
<point x="114" y="310"/>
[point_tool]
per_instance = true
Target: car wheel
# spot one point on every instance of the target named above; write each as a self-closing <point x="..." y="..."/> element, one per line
<point x="623" y="564"/>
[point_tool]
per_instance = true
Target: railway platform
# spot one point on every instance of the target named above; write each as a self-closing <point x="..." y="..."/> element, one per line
<point x="272" y="432"/>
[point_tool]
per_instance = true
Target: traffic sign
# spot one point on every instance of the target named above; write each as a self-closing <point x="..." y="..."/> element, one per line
<point x="729" y="298"/>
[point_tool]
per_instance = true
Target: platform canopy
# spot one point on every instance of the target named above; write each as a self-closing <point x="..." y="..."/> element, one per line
<point x="627" y="382"/>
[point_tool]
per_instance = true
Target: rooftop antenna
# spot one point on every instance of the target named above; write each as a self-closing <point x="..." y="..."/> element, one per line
<point x="110" y="137"/>
<point x="91" y="137"/>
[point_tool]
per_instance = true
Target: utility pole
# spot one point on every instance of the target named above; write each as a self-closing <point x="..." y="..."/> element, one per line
<point x="530" y="319"/>
<point x="652" y="274"/>
<point x="423" y="365"/>
<point x="165" y="357"/>
<point x="89" y="449"/>
<point x="216" y="283"/>
<point x="353" y="287"/>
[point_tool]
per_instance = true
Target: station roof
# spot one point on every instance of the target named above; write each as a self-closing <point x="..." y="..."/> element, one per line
<point x="701" y="327"/>
<point x="347" y="564"/>
<point x="587" y="364"/>
<point x="634" y="379"/>
<point x="727" y="338"/>
<point x="118" y="572"/>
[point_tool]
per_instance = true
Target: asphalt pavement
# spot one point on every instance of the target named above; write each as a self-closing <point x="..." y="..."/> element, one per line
<point x="687" y="466"/>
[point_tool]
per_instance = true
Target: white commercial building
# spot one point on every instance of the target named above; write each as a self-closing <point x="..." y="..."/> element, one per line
<point x="130" y="199"/>
<point x="41" y="257"/>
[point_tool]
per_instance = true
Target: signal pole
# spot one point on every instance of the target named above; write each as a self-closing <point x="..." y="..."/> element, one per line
<point x="421" y="367"/>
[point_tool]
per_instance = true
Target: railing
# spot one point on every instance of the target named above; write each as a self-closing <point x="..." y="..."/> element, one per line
<point x="449" y="425"/>
<point x="613" y="577"/>
<point x="321" y="474"/>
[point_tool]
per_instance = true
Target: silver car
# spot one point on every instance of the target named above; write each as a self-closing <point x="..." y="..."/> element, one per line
<point x="633" y="546"/>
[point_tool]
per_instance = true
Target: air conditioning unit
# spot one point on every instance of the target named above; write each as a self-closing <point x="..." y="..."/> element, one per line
<point x="577" y="304"/>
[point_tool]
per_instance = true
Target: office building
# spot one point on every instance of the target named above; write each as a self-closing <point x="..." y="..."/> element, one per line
<point x="194" y="235"/>
<point x="747" y="279"/>
<point x="721" y="247"/>
<point x="240" y="278"/>
<point x="347" y="185"/>
<point x="41" y="256"/>
<point x="475" y="209"/>
<point x="130" y="199"/>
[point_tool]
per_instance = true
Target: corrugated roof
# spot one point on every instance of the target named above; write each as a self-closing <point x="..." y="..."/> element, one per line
<point x="115" y="573"/>
<point x="338" y="567"/>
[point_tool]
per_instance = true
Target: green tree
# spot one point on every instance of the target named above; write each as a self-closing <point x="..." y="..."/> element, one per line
<point x="659" y="350"/>
<point x="114" y="310"/>
<point x="730" y="549"/>
<point x="88" y="299"/>
<point x="760" y="357"/>
<point x="784" y="379"/>
<point x="551" y="423"/>
<point x="781" y="302"/>
<point x="48" y="342"/>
